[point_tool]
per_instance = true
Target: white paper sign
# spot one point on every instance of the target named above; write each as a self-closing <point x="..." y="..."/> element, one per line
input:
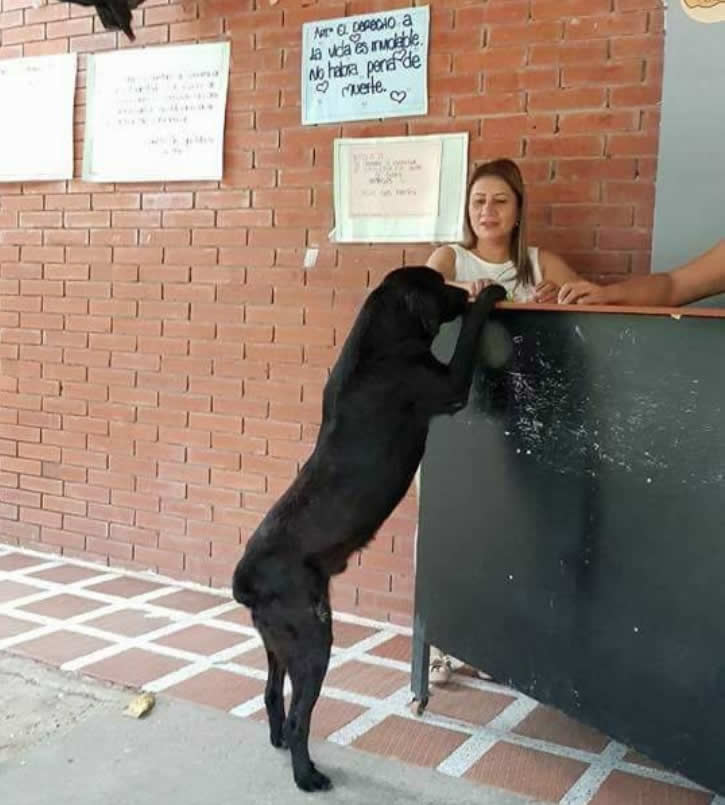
<point x="156" y="114"/>
<point x="400" y="189"/>
<point x="401" y="178"/>
<point x="36" y="131"/>
<point x="367" y="66"/>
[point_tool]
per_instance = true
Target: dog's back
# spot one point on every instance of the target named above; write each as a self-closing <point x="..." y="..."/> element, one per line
<point x="375" y="416"/>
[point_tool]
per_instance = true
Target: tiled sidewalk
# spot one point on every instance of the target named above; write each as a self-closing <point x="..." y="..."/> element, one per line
<point x="194" y="643"/>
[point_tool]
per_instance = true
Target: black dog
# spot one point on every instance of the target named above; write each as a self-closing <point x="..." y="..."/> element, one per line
<point x="114" y="14"/>
<point x="377" y="405"/>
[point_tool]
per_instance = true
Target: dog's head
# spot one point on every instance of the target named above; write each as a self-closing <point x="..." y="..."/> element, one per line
<point x="425" y="296"/>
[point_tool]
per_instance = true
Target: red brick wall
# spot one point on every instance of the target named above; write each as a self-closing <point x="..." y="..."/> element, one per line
<point x="164" y="350"/>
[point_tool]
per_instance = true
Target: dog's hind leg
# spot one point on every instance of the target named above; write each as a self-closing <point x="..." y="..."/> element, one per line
<point x="274" y="700"/>
<point x="307" y="667"/>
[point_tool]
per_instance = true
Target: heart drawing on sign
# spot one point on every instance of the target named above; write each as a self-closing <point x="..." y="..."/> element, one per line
<point x="399" y="55"/>
<point x="355" y="37"/>
<point x="398" y="95"/>
<point x="322" y="86"/>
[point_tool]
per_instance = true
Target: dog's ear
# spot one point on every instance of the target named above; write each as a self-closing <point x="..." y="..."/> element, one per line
<point x="424" y="307"/>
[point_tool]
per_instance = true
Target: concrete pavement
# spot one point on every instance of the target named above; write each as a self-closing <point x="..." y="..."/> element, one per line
<point x="64" y="741"/>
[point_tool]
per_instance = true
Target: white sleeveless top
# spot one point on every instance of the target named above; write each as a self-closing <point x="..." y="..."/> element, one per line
<point x="470" y="266"/>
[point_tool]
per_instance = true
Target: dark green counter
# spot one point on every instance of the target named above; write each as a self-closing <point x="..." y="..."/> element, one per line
<point x="572" y="532"/>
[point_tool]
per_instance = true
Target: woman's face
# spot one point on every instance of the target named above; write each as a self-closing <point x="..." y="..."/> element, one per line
<point x="493" y="209"/>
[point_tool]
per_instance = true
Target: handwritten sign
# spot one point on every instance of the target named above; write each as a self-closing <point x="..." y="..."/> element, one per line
<point x="156" y="114"/>
<point x="400" y="189"/>
<point x="36" y="133"/>
<point x="402" y="178"/>
<point x="367" y="66"/>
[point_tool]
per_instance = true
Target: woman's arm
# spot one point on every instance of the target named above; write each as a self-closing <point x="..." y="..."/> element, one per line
<point x="555" y="272"/>
<point x="555" y="269"/>
<point x="443" y="259"/>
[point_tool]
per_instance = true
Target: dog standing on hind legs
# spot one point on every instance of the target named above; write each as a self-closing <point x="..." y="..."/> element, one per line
<point x="376" y="408"/>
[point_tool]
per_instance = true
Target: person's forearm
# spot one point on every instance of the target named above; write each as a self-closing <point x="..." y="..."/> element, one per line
<point x="702" y="277"/>
<point x="650" y="290"/>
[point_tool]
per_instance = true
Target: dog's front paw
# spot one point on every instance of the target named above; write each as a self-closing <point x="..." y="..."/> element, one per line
<point x="313" y="780"/>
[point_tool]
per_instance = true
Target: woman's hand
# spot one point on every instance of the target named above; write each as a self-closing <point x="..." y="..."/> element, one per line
<point x="546" y="292"/>
<point x="583" y="292"/>
<point x="472" y="287"/>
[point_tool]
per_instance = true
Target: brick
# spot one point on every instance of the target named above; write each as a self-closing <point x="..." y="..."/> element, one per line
<point x="213" y="496"/>
<point x="246" y="256"/>
<point x="540" y="31"/>
<point x="633" y="5"/>
<point x="167" y="201"/>
<point x="606" y="25"/>
<point x="567" y="145"/>
<point x="42" y="452"/>
<point x="631" y="47"/>
<point x="566" y="98"/>
<point x="609" y="120"/>
<point x="577" y="52"/>
<point x="632" y="144"/>
<point x="191" y="511"/>
<point x="279" y="236"/>
<point x="625" y="72"/>
<point x="521" y="124"/>
<point x="63" y="539"/>
<point x="575" y="215"/>
<point x="40" y="517"/>
<point x="158" y="559"/>
<point x="238" y="219"/>
<point x="594" y="168"/>
<point x="18" y="497"/>
<point x="67" y="28"/>
<point x="108" y="547"/>
<point x="560" y="9"/>
<point x="624" y="238"/>
<point x="15" y="531"/>
<point x="28" y="33"/>
<point x="84" y="219"/>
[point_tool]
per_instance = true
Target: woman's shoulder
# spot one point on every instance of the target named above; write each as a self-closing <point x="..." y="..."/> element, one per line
<point x="443" y="259"/>
<point x="450" y="250"/>
<point x="445" y="248"/>
<point x="444" y="252"/>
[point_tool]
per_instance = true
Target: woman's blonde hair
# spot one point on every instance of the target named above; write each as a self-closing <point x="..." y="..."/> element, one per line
<point x="507" y="170"/>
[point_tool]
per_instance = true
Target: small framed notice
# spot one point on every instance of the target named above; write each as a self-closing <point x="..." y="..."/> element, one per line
<point x="399" y="179"/>
<point x="400" y="189"/>
<point x="36" y="132"/>
<point x="156" y="114"/>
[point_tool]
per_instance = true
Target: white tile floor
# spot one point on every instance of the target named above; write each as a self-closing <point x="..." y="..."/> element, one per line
<point x="143" y="621"/>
